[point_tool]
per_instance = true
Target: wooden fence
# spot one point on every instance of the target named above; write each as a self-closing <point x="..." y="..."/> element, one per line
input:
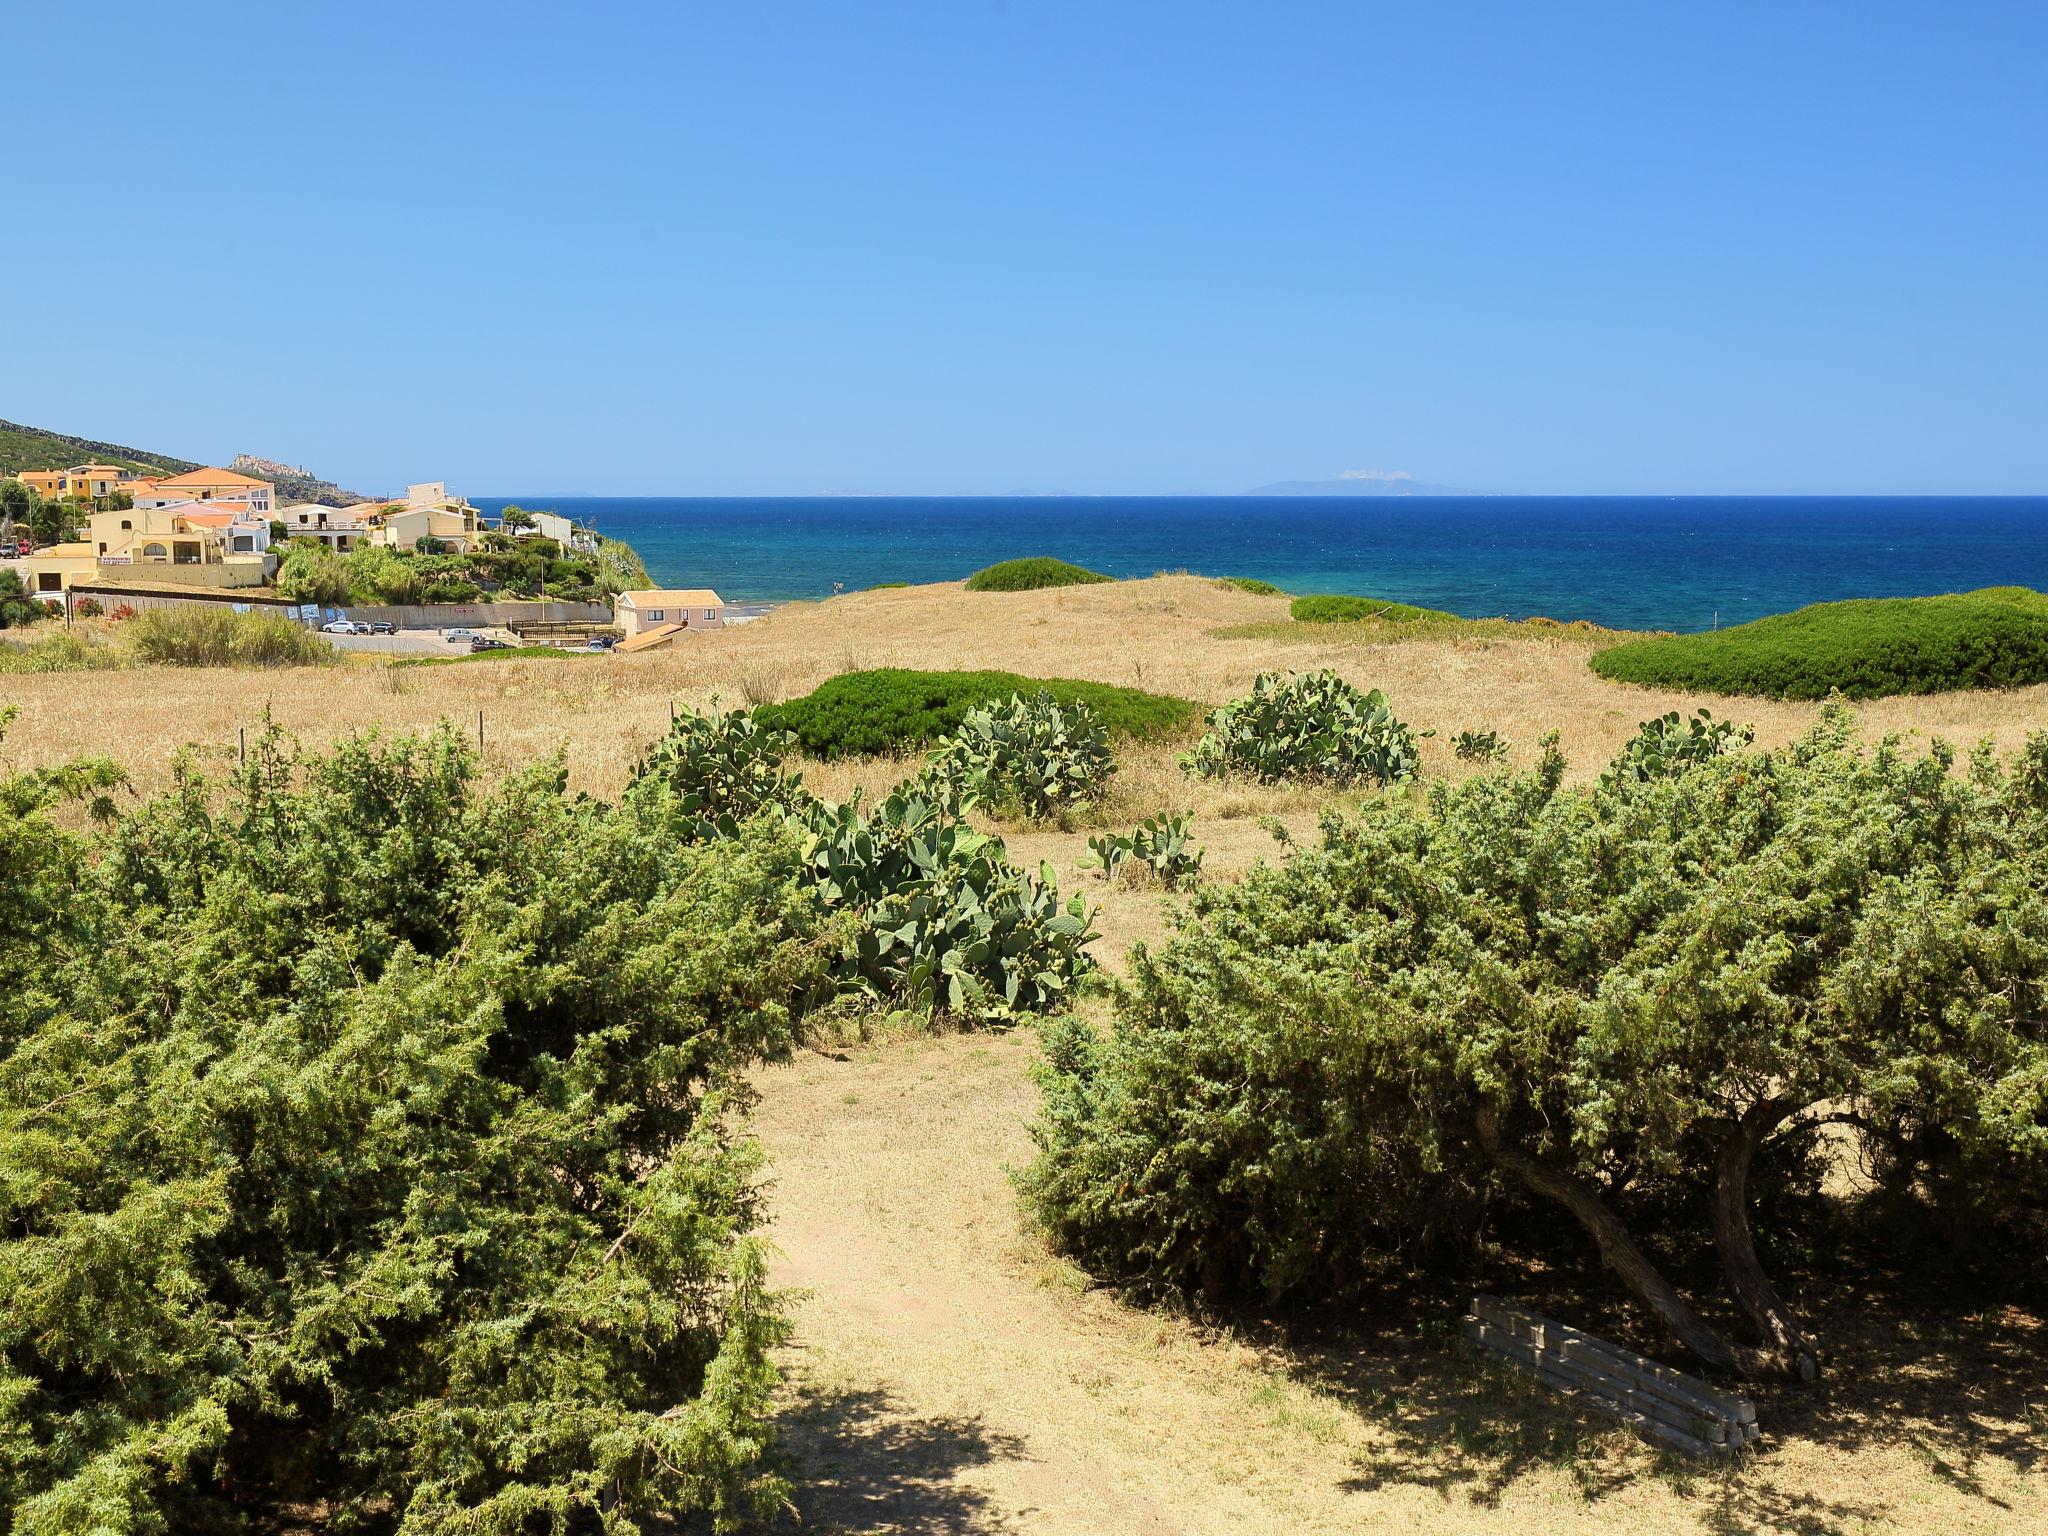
<point x="1668" y="1406"/>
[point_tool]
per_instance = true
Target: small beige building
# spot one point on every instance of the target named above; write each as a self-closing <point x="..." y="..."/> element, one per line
<point x="683" y="607"/>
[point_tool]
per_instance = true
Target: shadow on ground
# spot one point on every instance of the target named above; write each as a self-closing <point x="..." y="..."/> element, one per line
<point x="1961" y="1393"/>
<point x="861" y="1463"/>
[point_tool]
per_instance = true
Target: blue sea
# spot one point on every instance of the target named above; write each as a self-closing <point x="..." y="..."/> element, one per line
<point x="1682" y="563"/>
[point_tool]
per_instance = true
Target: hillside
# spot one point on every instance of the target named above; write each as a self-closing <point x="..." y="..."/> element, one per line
<point x="34" y="448"/>
<point x="296" y="485"/>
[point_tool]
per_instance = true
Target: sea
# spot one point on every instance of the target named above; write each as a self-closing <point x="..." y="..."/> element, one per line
<point x="1631" y="562"/>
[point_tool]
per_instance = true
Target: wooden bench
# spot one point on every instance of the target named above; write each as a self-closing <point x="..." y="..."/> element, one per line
<point x="1666" y="1405"/>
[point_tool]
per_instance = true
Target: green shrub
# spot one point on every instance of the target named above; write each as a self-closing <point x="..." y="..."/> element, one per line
<point x="1328" y="609"/>
<point x="945" y="920"/>
<point x="717" y="770"/>
<point x="860" y="714"/>
<point x="1036" y="755"/>
<point x="1862" y="649"/>
<point x="1163" y="844"/>
<point x="1250" y="584"/>
<point x="1307" y="726"/>
<point x="369" y="1146"/>
<point x="1479" y="747"/>
<point x="1030" y="575"/>
<point x="1642" y="1001"/>
<point x="214" y="635"/>
<point x="17" y="605"/>
<point x="936" y="915"/>
<point x="888" y="586"/>
<point x="1670" y="744"/>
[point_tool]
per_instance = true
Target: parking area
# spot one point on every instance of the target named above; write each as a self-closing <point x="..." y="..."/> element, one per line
<point x="414" y="642"/>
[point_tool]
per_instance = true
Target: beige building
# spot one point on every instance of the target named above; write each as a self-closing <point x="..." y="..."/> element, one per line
<point x="191" y="543"/>
<point x="680" y="608"/>
<point x="54" y="570"/>
<point x="430" y="510"/>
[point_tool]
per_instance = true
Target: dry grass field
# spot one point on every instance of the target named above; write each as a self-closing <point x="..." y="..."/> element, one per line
<point x="947" y="1374"/>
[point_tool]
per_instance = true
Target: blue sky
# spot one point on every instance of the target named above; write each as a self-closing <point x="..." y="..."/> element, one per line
<point x="785" y="248"/>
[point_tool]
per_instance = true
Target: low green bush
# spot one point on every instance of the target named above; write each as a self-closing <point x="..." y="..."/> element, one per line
<point x="1250" y="584"/>
<point x="61" y="651"/>
<point x="1036" y="755"/>
<point x="1670" y="744"/>
<point x="719" y="769"/>
<point x="1307" y="726"/>
<point x="1646" y="1002"/>
<point x="1326" y="608"/>
<point x="508" y="653"/>
<point x="943" y="919"/>
<point x="863" y="714"/>
<point x="1479" y="747"/>
<point x="190" y="635"/>
<point x="936" y="915"/>
<point x="1030" y="575"/>
<point x="1865" y="648"/>
<point x="1163" y="844"/>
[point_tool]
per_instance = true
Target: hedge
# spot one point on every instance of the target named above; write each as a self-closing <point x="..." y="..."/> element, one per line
<point x="1864" y="648"/>
<point x="897" y="710"/>
<point x="1030" y="575"/>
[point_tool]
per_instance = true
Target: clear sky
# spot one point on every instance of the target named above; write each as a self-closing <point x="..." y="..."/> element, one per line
<point x="783" y="248"/>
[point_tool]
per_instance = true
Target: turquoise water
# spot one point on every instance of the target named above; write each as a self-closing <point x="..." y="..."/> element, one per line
<point x="1633" y="562"/>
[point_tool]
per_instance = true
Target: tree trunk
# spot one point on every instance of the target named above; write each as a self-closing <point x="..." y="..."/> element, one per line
<point x="1784" y="1339"/>
<point x="1620" y="1253"/>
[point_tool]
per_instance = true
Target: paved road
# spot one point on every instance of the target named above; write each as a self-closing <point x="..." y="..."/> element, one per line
<point x="407" y="642"/>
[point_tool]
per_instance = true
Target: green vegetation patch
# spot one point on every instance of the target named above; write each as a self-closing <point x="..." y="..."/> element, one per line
<point x="1328" y="608"/>
<point x="1864" y="648"/>
<point x="892" y="709"/>
<point x="1250" y="584"/>
<point x="509" y="653"/>
<point x="38" y="448"/>
<point x="1029" y="575"/>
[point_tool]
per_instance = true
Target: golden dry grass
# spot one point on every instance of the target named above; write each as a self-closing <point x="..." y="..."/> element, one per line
<point x="1169" y="634"/>
<point x="948" y="1375"/>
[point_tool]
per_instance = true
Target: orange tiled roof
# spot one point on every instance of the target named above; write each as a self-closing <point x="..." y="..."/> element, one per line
<point x="206" y="477"/>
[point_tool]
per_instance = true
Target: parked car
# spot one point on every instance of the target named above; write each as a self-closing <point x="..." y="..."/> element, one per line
<point x="458" y="636"/>
<point x="602" y="642"/>
<point x="486" y="643"/>
<point x="383" y="627"/>
<point x="344" y="627"/>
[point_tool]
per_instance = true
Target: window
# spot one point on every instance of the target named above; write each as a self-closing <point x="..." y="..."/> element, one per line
<point x="656" y="615"/>
<point x="710" y="613"/>
<point x="153" y="551"/>
<point x="126" y="524"/>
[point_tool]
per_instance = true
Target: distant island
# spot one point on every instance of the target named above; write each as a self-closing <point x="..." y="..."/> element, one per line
<point x="1358" y="482"/>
